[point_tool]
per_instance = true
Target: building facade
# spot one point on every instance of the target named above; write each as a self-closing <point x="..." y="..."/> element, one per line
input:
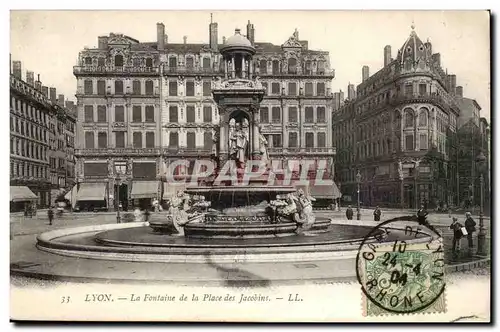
<point x="143" y="105"/>
<point x="34" y="140"/>
<point x="395" y="131"/>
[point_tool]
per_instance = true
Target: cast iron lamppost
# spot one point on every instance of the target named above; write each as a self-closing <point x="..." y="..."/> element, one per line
<point x="358" y="180"/>
<point x="117" y="197"/>
<point x="481" y="236"/>
<point x="401" y="178"/>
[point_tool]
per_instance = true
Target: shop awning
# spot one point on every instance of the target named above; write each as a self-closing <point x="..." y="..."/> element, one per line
<point x="144" y="189"/>
<point x="21" y="194"/>
<point x="92" y="192"/>
<point x="325" y="191"/>
<point x="71" y="196"/>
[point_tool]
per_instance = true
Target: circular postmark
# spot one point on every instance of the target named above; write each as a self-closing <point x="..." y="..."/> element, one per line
<point x="401" y="268"/>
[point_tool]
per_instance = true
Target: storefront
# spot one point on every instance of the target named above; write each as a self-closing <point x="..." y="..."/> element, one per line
<point x="21" y="198"/>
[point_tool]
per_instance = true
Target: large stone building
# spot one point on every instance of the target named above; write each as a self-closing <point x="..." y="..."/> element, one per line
<point x="37" y="154"/>
<point x="468" y="142"/>
<point x="143" y="105"/>
<point x="395" y="131"/>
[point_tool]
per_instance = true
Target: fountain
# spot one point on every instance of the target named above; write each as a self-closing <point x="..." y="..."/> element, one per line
<point x="239" y="217"/>
<point x="241" y="206"/>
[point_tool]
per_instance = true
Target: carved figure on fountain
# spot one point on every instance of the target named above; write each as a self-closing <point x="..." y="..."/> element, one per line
<point x="304" y="205"/>
<point x="238" y="136"/>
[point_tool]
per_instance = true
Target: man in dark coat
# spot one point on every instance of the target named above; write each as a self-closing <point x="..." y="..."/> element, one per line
<point x="457" y="235"/>
<point x="50" y="214"/>
<point x="422" y="215"/>
<point x="349" y="213"/>
<point x="470" y="226"/>
<point x="376" y="214"/>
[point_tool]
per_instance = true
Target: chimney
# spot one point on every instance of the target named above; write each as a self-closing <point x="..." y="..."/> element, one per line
<point x="250" y="32"/>
<point x="160" y="36"/>
<point x="102" y="42"/>
<point x="336" y="100"/>
<point x="341" y="97"/>
<point x="212" y="35"/>
<point x="38" y="83"/>
<point x="437" y="59"/>
<point x="53" y="96"/>
<point x="365" y="73"/>
<point x="453" y="83"/>
<point x="185" y="39"/>
<point x="60" y="100"/>
<point x="459" y="91"/>
<point x="30" y="78"/>
<point x="351" y="93"/>
<point x="223" y="39"/>
<point x="70" y="105"/>
<point x="17" y="69"/>
<point x="387" y="55"/>
<point x="45" y="91"/>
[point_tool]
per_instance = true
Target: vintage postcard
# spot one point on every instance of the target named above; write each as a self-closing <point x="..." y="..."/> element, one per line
<point x="250" y="166"/>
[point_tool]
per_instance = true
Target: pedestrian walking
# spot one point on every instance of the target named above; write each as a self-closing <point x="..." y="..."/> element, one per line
<point x="146" y="214"/>
<point x="349" y="213"/>
<point x="422" y="215"/>
<point x="456" y="227"/>
<point x="50" y="214"/>
<point x="470" y="227"/>
<point x="376" y="214"/>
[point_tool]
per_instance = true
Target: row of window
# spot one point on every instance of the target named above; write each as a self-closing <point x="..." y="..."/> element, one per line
<point x="28" y="111"/>
<point x="24" y="148"/>
<point x="274" y="140"/>
<point x="119" y="61"/>
<point x="25" y="169"/>
<point x="120" y="141"/>
<point x="190" y="88"/>
<point x="385" y="147"/>
<point x="57" y="162"/>
<point x="119" y="115"/>
<point x="276" y="67"/>
<point x="88" y="87"/>
<point x="28" y="129"/>
<point x="384" y="97"/>
<point x="293" y="90"/>
<point x="173" y="114"/>
<point x="309" y="115"/>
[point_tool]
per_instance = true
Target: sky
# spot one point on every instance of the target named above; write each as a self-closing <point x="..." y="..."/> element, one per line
<point x="48" y="42"/>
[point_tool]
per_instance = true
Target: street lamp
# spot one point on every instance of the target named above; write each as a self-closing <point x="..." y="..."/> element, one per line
<point x="401" y="178"/>
<point x="358" y="180"/>
<point x="117" y="197"/>
<point x="481" y="237"/>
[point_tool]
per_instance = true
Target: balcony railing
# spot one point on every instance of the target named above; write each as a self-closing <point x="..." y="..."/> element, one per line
<point x="114" y="70"/>
<point x="194" y="70"/>
<point x="301" y="150"/>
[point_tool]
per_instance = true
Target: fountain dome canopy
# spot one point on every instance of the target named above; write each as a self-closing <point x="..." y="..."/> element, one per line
<point x="237" y="42"/>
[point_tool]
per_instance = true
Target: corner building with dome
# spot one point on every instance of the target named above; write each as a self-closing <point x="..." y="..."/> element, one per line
<point x="396" y="131"/>
<point x="144" y="105"/>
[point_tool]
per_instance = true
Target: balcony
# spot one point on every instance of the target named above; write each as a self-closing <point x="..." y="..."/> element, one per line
<point x="294" y="151"/>
<point x="190" y="70"/>
<point x="298" y="72"/>
<point x="117" y="152"/>
<point x="93" y="70"/>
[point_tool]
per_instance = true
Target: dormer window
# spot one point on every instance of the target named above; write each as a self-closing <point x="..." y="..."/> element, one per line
<point x="119" y="60"/>
<point x="88" y="61"/>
